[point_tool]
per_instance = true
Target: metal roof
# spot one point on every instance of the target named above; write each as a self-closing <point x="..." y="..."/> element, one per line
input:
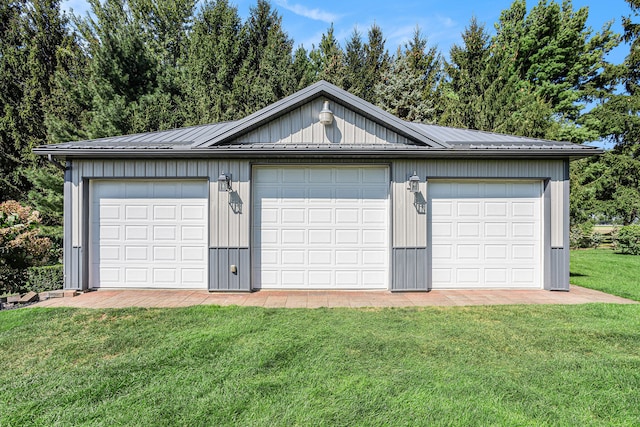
<point x="216" y="140"/>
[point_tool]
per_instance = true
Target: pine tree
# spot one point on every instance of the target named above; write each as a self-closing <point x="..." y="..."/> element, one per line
<point x="401" y="91"/>
<point x="30" y="36"/>
<point x="553" y="50"/>
<point x="426" y="63"/>
<point x="122" y="67"/>
<point x="376" y="63"/>
<point x="354" y="57"/>
<point x="302" y="69"/>
<point x="46" y="197"/>
<point x="617" y="115"/>
<point x="212" y="62"/>
<point x="69" y="106"/>
<point x="328" y="59"/>
<point x="464" y="89"/>
<point x="265" y="74"/>
<point x="608" y="187"/>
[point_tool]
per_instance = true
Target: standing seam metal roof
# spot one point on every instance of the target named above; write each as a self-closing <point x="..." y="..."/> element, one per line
<point x="219" y="136"/>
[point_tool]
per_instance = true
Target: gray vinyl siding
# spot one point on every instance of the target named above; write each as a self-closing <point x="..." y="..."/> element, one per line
<point x="301" y="126"/>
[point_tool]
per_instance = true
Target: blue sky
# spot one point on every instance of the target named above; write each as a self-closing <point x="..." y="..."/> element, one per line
<point x="441" y="21"/>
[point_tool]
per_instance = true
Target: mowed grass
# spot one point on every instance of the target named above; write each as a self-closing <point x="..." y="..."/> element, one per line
<point x="607" y="271"/>
<point x="494" y="365"/>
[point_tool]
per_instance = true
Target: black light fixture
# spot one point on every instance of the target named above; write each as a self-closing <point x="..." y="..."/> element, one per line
<point x="224" y="182"/>
<point x="326" y="115"/>
<point x="414" y="183"/>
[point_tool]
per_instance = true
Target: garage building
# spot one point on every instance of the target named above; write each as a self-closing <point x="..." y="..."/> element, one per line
<point x="320" y="190"/>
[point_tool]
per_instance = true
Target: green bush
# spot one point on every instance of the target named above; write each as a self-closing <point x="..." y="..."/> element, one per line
<point x="628" y="240"/>
<point x="583" y="236"/>
<point x="12" y="280"/>
<point x="43" y="279"/>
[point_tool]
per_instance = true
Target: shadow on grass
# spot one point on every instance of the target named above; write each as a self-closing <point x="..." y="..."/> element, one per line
<point x="577" y="275"/>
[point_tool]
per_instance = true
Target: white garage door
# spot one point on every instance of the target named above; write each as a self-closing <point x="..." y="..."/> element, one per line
<point x="320" y="227"/>
<point x="149" y="234"/>
<point x="486" y="234"/>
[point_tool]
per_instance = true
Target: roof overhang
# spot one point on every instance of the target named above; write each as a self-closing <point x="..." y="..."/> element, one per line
<point x="431" y="153"/>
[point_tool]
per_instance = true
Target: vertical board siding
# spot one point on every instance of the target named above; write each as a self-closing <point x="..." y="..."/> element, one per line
<point x="410" y="269"/>
<point x="229" y="228"/>
<point x="301" y="126"/>
<point x="409" y="223"/>
<point x="546" y="236"/>
<point x="557" y="214"/>
<point x="220" y="276"/>
<point x="559" y="269"/>
<point x="67" y="243"/>
<point x="76" y="271"/>
<point x="409" y="227"/>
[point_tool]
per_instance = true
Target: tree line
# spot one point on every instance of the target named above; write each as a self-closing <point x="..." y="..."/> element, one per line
<point x="143" y="65"/>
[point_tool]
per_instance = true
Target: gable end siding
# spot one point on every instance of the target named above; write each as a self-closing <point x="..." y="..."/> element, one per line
<point x="301" y="126"/>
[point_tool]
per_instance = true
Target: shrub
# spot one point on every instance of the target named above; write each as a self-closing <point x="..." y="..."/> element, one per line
<point x="628" y="240"/>
<point x="582" y="236"/>
<point x="12" y="280"/>
<point x="21" y="245"/>
<point x="43" y="279"/>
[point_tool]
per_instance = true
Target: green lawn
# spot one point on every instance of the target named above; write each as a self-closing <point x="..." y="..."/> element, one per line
<point x="606" y="271"/>
<point x="501" y="365"/>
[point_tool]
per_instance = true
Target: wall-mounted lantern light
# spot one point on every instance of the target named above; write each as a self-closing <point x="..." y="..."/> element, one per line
<point x="224" y="182"/>
<point x="414" y="183"/>
<point x="326" y="116"/>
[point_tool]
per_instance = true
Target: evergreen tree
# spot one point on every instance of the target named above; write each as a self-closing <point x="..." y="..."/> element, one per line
<point x="426" y="63"/>
<point x="212" y="62"/>
<point x="265" y="74"/>
<point x="122" y="67"/>
<point x="46" y="197"/>
<point x="465" y="87"/>
<point x="401" y="91"/>
<point x="134" y="47"/>
<point x="12" y="64"/>
<point x="410" y="87"/>
<point x="617" y="114"/>
<point x="30" y="36"/>
<point x="607" y="187"/>
<point x="376" y="62"/>
<point x="554" y="51"/>
<point x="302" y="69"/>
<point x="354" y="67"/>
<point x="534" y="76"/>
<point x="68" y="109"/>
<point x="328" y="59"/>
